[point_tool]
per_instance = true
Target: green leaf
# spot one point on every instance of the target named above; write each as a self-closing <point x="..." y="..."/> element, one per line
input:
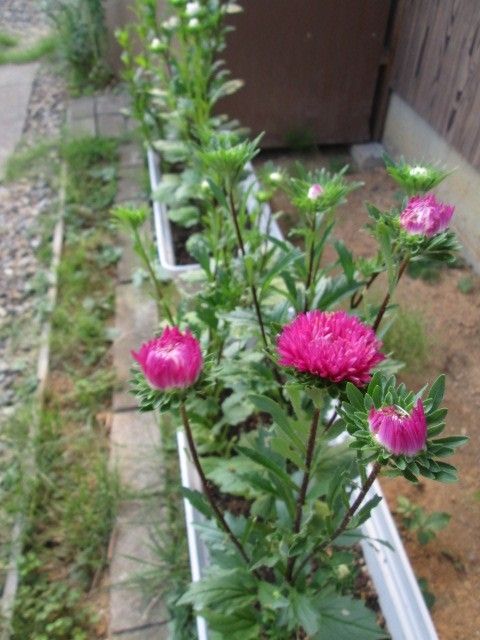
<point x="355" y="396"/>
<point x="198" y="501"/>
<point x="344" y="618"/>
<point x="184" y="216"/>
<point x="229" y="590"/>
<point x="270" y="465"/>
<point x="263" y="403"/>
<point x="385" y="242"/>
<point x="305" y="611"/>
<point x="270" y="596"/>
<point x="229" y="474"/>
<point x="346" y="260"/>
<point x="437" y="392"/>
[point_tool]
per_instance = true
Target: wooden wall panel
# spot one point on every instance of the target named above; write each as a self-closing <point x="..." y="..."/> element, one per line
<point x="437" y="68"/>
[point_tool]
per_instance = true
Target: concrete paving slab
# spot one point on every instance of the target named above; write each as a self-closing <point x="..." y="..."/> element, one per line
<point x="136" y="322"/>
<point x="111" y="103"/>
<point x="130" y="608"/>
<point x="15" y="88"/>
<point x="111" y="125"/>
<point x="136" y="451"/>
<point x="132" y="155"/>
<point x="83" y="107"/>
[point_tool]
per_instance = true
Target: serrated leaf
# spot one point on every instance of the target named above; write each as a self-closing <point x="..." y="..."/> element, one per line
<point x="198" y="501"/>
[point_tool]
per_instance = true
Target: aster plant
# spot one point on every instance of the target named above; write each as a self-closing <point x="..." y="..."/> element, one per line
<point x="275" y="366"/>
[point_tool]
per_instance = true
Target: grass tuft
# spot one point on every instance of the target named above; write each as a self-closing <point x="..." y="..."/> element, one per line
<point x="407" y="340"/>
<point x="46" y="46"/>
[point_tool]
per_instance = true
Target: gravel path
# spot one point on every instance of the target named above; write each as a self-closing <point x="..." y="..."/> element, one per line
<point x="23" y="18"/>
<point x="24" y="207"/>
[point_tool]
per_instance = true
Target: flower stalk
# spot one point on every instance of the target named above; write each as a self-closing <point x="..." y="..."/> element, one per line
<point x="303" y="489"/>
<point x="386" y="300"/>
<point x="206" y="485"/>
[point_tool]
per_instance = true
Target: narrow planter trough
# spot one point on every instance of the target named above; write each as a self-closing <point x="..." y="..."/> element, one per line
<point x="399" y="596"/>
<point x="401" y="601"/>
<point x="163" y="227"/>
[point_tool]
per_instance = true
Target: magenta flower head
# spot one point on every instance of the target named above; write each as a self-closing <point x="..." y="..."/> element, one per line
<point x="425" y="215"/>
<point x="315" y="191"/>
<point x="332" y="345"/>
<point x="400" y="432"/>
<point x="172" y="361"/>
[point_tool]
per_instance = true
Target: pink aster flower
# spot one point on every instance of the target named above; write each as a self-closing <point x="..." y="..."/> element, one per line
<point x="425" y="215"/>
<point x="398" y="431"/>
<point x="315" y="191"/>
<point x="332" y="345"/>
<point x="172" y="361"/>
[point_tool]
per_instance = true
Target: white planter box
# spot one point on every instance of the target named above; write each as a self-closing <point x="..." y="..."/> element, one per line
<point x="163" y="228"/>
<point x="399" y="595"/>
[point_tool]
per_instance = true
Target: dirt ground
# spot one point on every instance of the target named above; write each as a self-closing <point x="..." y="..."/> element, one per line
<point x="451" y="563"/>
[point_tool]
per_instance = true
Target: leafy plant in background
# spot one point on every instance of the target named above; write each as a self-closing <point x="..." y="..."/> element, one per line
<point x="418" y="520"/>
<point x="80" y="25"/>
<point x="265" y="368"/>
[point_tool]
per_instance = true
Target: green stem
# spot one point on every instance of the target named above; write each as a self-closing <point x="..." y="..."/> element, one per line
<point x="241" y="246"/>
<point x="386" y="300"/>
<point x="206" y="485"/>
<point x="303" y="489"/>
<point x="161" y="304"/>
<point x="347" y="518"/>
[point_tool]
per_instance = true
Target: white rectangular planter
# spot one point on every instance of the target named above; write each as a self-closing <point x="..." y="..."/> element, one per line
<point x="401" y="601"/>
<point x="163" y="228"/>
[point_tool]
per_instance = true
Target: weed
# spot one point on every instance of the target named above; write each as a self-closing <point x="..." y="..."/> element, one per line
<point x="428" y="596"/>
<point x="417" y="520"/>
<point x="44" y="47"/>
<point x="82" y="34"/>
<point x="7" y="40"/>
<point x="407" y="339"/>
<point x="466" y="285"/>
<point x="28" y="159"/>
<point x="69" y="502"/>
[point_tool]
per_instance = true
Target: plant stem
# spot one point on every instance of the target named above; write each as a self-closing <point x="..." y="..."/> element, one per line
<point x="311" y="260"/>
<point x="241" y="246"/>
<point x="383" y="308"/>
<point x="357" y="297"/>
<point x="348" y="516"/>
<point x="206" y="485"/>
<point x="303" y="489"/>
<point x="161" y="304"/>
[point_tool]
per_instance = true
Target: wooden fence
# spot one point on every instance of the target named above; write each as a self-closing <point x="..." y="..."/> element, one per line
<point x="437" y="68"/>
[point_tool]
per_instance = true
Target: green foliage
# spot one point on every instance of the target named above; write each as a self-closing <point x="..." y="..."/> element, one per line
<point x="60" y="479"/>
<point x="81" y="35"/>
<point x="407" y="338"/>
<point x="466" y="285"/>
<point x="27" y="159"/>
<point x="418" y="520"/>
<point x="383" y="391"/>
<point x="7" y="40"/>
<point x="415" y="178"/>
<point x="46" y="46"/>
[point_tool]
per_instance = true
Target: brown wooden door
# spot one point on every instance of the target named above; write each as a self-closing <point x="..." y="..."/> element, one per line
<point x="310" y="68"/>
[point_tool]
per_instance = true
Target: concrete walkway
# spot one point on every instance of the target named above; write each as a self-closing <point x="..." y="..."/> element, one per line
<point x="135" y="437"/>
<point x="15" y="87"/>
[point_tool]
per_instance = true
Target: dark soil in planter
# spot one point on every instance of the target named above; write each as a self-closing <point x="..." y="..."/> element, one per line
<point x="450" y="564"/>
<point x="180" y="236"/>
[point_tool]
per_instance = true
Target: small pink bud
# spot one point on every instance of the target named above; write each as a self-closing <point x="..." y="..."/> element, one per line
<point x="315" y="191"/>
<point x="172" y="361"/>
<point x="399" y="432"/>
<point x="332" y="345"/>
<point x="425" y="215"/>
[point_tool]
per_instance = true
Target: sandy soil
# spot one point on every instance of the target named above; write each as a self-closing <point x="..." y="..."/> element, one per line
<point x="451" y="563"/>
